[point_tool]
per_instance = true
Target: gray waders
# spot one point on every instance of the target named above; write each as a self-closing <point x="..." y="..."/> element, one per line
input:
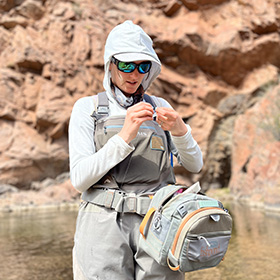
<point x="107" y="230"/>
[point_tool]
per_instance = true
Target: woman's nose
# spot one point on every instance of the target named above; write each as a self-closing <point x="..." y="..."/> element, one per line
<point x="135" y="74"/>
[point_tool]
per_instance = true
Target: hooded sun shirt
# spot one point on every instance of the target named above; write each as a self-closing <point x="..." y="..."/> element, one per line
<point x="128" y="42"/>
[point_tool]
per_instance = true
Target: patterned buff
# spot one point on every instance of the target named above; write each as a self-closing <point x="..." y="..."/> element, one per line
<point x="125" y="101"/>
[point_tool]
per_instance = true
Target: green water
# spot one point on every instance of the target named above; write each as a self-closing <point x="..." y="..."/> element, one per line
<point x="38" y="246"/>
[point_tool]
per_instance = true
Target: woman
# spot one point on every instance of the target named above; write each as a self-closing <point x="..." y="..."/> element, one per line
<point x="119" y="146"/>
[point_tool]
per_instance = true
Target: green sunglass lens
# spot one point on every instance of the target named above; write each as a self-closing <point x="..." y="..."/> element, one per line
<point x="126" y="67"/>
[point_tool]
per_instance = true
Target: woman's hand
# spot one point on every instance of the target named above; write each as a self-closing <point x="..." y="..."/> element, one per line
<point x="135" y="116"/>
<point x="170" y="120"/>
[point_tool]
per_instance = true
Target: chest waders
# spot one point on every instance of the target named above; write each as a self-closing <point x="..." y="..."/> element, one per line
<point x="147" y="168"/>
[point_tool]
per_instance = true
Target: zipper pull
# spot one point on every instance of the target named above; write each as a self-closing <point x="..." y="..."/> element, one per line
<point x="154" y="114"/>
<point x="157" y="222"/>
<point x="202" y="237"/>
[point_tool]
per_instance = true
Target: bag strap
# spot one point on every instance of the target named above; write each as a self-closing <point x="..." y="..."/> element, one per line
<point x="149" y="99"/>
<point x="174" y="268"/>
<point x="120" y="201"/>
<point x="145" y="221"/>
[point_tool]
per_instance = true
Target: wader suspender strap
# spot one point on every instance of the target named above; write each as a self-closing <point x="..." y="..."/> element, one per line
<point x="101" y="109"/>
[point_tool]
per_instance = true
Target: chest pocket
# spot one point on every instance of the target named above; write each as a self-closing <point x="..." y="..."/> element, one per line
<point x="149" y="159"/>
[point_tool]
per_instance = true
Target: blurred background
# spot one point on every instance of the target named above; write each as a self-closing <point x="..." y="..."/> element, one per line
<point x="221" y="61"/>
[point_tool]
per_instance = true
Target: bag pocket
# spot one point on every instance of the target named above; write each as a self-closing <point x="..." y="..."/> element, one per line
<point x="199" y="250"/>
<point x="202" y="249"/>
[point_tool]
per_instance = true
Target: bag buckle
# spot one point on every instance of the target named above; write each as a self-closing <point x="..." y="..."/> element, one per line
<point x="109" y="198"/>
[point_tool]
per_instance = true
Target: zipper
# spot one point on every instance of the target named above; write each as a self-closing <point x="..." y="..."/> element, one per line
<point x="147" y="127"/>
<point x="185" y="220"/>
<point x="209" y="235"/>
<point x="111" y="126"/>
<point x="120" y="126"/>
<point x="172" y="196"/>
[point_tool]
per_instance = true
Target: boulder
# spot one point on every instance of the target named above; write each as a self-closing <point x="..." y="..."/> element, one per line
<point x="255" y="152"/>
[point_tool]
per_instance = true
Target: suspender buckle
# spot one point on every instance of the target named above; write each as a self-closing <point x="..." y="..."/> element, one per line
<point x="102" y="110"/>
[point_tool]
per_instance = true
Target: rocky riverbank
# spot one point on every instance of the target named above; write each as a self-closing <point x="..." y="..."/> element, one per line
<point x="59" y="194"/>
<point x="49" y="194"/>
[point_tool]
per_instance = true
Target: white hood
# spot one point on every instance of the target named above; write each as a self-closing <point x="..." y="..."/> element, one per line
<point x="128" y="40"/>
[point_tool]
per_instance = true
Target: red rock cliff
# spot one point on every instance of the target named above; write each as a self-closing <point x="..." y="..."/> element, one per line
<point x="221" y="64"/>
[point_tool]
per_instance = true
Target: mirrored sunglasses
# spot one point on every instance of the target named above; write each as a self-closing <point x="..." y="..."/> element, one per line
<point x="128" y="67"/>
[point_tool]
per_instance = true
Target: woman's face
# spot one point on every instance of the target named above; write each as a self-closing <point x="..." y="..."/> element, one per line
<point x="128" y="83"/>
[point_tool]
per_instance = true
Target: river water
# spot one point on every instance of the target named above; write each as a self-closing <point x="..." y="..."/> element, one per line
<point x="37" y="246"/>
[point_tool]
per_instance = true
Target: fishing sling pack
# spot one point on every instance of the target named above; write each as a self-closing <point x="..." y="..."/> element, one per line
<point x="185" y="230"/>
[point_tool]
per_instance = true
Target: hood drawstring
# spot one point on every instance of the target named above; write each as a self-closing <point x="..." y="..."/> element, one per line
<point x="125" y="101"/>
